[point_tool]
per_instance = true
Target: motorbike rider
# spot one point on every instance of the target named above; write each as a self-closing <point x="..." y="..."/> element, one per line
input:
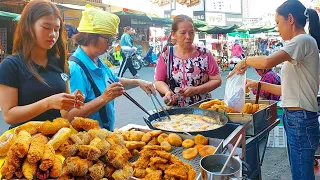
<point x="127" y="48"/>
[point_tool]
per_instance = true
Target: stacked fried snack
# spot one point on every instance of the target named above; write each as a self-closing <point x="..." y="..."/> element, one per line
<point x="248" y="108"/>
<point x="95" y="153"/>
<point x="156" y="164"/>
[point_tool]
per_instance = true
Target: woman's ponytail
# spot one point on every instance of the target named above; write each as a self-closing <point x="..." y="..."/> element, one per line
<point x="314" y="25"/>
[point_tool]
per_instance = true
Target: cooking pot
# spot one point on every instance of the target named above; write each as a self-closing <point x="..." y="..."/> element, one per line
<point x="211" y="166"/>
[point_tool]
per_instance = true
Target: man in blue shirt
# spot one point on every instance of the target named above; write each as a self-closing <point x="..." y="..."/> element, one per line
<point x="97" y="30"/>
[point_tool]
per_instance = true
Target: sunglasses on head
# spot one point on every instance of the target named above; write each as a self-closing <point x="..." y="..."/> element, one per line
<point x="110" y="40"/>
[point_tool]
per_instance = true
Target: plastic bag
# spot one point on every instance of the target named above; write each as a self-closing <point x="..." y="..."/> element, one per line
<point x="234" y="95"/>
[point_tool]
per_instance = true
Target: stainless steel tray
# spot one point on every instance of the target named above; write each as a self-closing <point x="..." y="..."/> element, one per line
<point x="260" y="119"/>
<point x="177" y="151"/>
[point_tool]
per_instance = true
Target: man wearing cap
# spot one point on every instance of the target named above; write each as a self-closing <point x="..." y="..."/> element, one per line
<point x="97" y="31"/>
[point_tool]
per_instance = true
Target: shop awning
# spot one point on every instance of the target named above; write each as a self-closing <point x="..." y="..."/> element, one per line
<point x="198" y="23"/>
<point x="141" y="16"/>
<point x="9" y="16"/>
<point x="255" y="30"/>
<point x="217" y="29"/>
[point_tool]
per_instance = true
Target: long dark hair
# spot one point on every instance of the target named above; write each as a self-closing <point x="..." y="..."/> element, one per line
<point x="24" y="37"/>
<point x="301" y="14"/>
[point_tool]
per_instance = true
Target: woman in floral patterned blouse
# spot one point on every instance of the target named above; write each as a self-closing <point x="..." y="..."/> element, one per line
<point x="193" y="69"/>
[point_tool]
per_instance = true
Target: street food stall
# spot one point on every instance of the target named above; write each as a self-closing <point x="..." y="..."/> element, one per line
<point x="53" y="149"/>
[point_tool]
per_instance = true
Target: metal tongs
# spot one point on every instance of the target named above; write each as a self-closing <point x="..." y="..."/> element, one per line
<point x="163" y="109"/>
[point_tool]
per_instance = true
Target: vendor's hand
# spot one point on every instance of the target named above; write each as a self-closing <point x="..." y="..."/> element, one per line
<point x="147" y="87"/>
<point x="252" y="84"/>
<point x="189" y="91"/>
<point x="113" y="91"/>
<point x="62" y="101"/>
<point x="240" y="68"/>
<point x="79" y="98"/>
<point x="170" y="98"/>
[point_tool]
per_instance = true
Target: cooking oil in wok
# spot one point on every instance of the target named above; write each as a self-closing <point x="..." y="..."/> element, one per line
<point x="216" y="168"/>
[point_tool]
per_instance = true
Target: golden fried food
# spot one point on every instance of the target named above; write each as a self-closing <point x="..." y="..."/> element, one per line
<point x="198" y="146"/>
<point x="101" y="144"/>
<point x="115" y="138"/>
<point x="247" y="108"/>
<point x="29" y="169"/>
<point x="50" y="128"/>
<point x="162" y="137"/>
<point x="109" y="170"/>
<point x="255" y="108"/>
<point x="13" y="159"/>
<point x="156" y="175"/>
<point x="139" y="173"/>
<point x="79" y="124"/>
<point x="208" y="104"/>
<point x="6" y="142"/>
<point x="97" y="171"/>
<point x="157" y="160"/>
<point x="60" y="137"/>
<point x="155" y="133"/>
<point x="141" y="163"/>
<point x="134" y="152"/>
<point x="262" y="106"/>
<point x="37" y="147"/>
<point x="19" y="173"/>
<point x="190" y="153"/>
<point x="65" y="144"/>
<point x="188" y="143"/>
<point x="177" y="170"/>
<point x="89" y="152"/>
<point x="126" y="135"/>
<point x="118" y="156"/>
<point x="134" y="144"/>
<point x="191" y="174"/>
<point x="160" y="166"/>
<point x="166" y="146"/>
<point x="56" y="169"/>
<point x="31" y="127"/>
<point x="47" y="158"/>
<point x="207" y="150"/>
<point x="154" y="141"/>
<point x="136" y="135"/>
<point x="175" y="139"/>
<point x="7" y="170"/>
<point x="153" y="147"/>
<point x="42" y="175"/>
<point x="70" y="150"/>
<point x="124" y="173"/>
<point x="76" y="139"/>
<point x="22" y="143"/>
<point x="85" y="137"/>
<point x="199" y="139"/>
<point x="146" y="137"/>
<point x="77" y="166"/>
<point x="66" y="177"/>
<point x="100" y="133"/>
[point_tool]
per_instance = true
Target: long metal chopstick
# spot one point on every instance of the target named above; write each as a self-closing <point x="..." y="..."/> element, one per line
<point x="110" y="81"/>
<point x="163" y="109"/>
<point x="154" y="104"/>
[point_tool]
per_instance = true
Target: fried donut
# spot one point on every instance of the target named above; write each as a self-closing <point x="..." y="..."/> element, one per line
<point x="188" y="143"/>
<point x="5" y="143"/>
<point x="136" y="135"/>
<point x="198" y="146"/>
<point x="175" y="139"/>
<point x="206" y="150"/>
<point x="166" y="146"/>
<point x="190" y="153"/>
<point x="199" y="139"/>
<point x="162" y="137"/>
<point x="146" y="137"/>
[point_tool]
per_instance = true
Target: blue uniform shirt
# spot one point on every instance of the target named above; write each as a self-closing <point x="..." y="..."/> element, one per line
<point x="100" y="74"/>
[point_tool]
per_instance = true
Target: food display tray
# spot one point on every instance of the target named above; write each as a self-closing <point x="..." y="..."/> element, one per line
<point x="260" y="119"/>
<point x="177" y="151"/>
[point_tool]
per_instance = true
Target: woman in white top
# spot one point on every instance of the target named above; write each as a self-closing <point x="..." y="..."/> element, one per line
<point x="299" y="83"/>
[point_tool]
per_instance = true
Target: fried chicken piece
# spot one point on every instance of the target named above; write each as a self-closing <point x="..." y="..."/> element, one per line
<point x="79" y="124"/>
<point x="109" y="170"/>
<point x="89" y="152"/>
<point x="192" y="174"/>
<point x="56" y="169"/>
<point x="156" y="175"/>
<point x="31" y="127"/>
<point x="153" y="147"/>
<point x="123" y="174"/>
<point x="160" y="166"/>
<point x="167" y="177"/>
<point x="141" y="163"/>
<point x="19" y="173"/>
<point x="47" y="158"/>
<point x="77" y="166"/>
<point x="157" y="160"/>
<point x="42" y="175"/>
<point x="37" y="147"/>
<point x="139" y="173"/>
<point x="6" y="142"/>
<point x="164" y="154"/>
<point x="50" y="128"/>
<point x="66" y="177"/>
<point x="134" y="144"/>
<point x="97" y="171"/>
<point x="76" y="139"/>
<point x="154" y="141"/>
<point x="177" y="170"/>
<point x="134" y="152"/>
<point x="65" y="144"/>
<point x="115" y="138"/>
<point x="21" y="146"/>
<point x="7" y="170"/>
<point x="101" y="144"/>
<point x="118" y="156"/>
<point x="70" y="150"/>
<point x="126" y="135"/>
<point x="13" y="159"/>
<point x="29" y="169"/>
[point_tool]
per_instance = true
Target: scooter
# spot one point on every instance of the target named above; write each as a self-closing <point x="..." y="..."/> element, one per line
<point x="150" y="58"/>
<point x="134" y="55"/>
